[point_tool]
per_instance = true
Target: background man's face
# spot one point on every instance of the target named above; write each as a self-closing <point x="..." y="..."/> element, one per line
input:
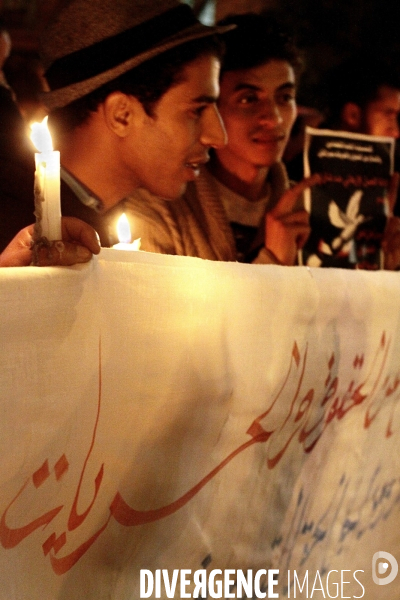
<point x="168" y="147"/>
<point x="381" y="115"/>
<point x="258" y="107"/>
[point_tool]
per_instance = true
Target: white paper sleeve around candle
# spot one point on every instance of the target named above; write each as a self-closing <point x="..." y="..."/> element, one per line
<point x="47" y="184"/>
<point x="124" y="235"/>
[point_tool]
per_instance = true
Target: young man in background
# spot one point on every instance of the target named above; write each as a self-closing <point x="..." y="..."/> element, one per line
<point x="241" y="207"/>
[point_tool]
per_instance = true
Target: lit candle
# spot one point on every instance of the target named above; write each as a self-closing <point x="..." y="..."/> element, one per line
<point x="47" y="184"/>
<point x="124" y="235"/>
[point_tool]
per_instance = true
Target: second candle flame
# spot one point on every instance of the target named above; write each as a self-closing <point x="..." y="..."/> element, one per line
<point x="123" y="230"/>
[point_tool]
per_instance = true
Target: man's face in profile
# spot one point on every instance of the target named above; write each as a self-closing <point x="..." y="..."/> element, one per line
<point x="168" y="147"/>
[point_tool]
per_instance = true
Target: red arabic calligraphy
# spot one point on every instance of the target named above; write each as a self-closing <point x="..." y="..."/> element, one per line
<point x="308" y="416"/>
<point x="11" y="537"/>
<point x="359" y="181"/>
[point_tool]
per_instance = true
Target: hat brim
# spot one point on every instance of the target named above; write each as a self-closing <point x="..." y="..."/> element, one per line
<point x="63" y="96"/>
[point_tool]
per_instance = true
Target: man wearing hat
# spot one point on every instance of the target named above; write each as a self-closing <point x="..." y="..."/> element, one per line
<point x="132" y="100"/>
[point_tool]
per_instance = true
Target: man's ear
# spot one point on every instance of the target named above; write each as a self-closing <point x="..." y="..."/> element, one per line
<point x="120" y="112"/>
<point x="351" y="116"/>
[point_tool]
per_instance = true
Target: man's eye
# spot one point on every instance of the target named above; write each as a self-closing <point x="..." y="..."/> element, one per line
<point x="198" y="111"/>
<point x="286" y="98"/>
<point x="248" y="99"/>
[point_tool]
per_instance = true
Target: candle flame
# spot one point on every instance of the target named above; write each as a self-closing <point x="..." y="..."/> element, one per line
<point x="123" y="230"/>
<point x="40" y="136"/>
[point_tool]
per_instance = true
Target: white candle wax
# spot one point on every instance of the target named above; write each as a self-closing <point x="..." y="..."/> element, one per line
<point x="47" y="184"/>
<point x="47" y="194"/>
<point x="135" y="245"/>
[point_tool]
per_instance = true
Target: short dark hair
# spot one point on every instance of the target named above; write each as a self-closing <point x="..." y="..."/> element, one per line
<point x="148" y="82"/>
<point x="358" y="80"/>
<point x="257" y="39"/>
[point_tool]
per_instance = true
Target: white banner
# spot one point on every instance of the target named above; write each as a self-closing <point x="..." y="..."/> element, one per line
<point x="168" y="413"/>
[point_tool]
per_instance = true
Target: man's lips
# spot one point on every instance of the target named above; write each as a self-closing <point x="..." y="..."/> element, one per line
<point x="268" y="139"/>
<point x="196" y="163"/>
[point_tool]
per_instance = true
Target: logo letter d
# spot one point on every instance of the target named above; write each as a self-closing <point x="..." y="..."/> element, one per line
<point x="382" y="568"/>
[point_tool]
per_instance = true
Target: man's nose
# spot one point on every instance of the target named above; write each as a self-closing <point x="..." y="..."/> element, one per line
<point x="269" y="114"/>
<point x="213" y="134"/>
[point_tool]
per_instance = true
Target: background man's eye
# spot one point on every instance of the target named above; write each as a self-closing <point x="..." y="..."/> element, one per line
<point x="248" y="99"/>
<point x="287" y="97"/>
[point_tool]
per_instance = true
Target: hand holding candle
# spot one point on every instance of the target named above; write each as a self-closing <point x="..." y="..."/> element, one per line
<point x="47" y="184"/>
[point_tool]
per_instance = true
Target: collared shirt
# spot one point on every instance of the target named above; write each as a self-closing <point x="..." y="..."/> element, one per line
<point x="78" y="201"/>
<point x="81" y="191"/>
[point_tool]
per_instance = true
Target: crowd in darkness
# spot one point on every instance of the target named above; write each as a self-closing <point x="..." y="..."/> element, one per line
<point x="329" y="34"/>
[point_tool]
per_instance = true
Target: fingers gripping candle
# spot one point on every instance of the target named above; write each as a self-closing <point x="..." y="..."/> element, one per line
<point x="47" y="185"/>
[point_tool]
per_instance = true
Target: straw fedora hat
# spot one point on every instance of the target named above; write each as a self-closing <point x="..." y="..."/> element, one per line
<point x="91" y="42"/>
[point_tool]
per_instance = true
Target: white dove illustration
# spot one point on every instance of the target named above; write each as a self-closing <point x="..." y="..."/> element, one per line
<point x="348" y="221"/>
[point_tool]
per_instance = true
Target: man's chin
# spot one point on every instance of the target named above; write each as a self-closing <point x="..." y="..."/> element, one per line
<point x="171" y="196"/>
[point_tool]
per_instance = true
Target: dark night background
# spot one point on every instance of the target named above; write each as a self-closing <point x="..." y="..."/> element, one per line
<point x="327" y="30"/>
